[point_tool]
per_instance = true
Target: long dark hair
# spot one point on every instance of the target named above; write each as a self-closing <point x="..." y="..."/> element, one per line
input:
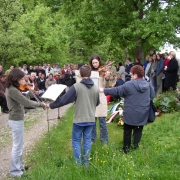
<point x="14" y="77"/>
<point x="95" y="56"/>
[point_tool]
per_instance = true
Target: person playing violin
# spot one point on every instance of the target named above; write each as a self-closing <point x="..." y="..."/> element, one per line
<point x="16" y="102"/>
<point x="101" y="109"/>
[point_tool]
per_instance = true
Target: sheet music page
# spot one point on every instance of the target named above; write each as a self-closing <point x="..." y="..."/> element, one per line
<point x="54" y="91"/>
<point x="94" y="76"/>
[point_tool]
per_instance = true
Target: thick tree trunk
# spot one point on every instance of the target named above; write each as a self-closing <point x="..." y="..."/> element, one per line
<point x="139" y="52"/>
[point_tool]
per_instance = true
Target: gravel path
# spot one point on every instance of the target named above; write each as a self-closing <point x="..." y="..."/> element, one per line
<point x="31" y="135"/>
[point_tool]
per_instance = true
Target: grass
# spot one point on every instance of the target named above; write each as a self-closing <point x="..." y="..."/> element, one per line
<point x="156" y="159"/>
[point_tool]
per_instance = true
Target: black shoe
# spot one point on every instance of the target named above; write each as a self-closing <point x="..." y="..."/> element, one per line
<point x="25" y="168"/>
<point x="125" y="150"/>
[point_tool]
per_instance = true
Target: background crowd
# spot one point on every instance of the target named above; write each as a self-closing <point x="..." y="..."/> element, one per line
<point x="161" y="70"/>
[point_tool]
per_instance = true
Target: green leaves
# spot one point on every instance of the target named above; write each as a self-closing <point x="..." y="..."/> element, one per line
<point x="168" y="102"/>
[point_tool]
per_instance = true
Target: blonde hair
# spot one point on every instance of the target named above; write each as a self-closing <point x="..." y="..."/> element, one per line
<point x="118" y="75"/>
<point x="172" y="53"/>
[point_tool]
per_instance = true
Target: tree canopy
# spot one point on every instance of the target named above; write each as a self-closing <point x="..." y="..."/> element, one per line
<point x="71" y="30"/>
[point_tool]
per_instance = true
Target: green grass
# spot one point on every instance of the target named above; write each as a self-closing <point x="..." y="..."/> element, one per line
<point x="158" y="157"/>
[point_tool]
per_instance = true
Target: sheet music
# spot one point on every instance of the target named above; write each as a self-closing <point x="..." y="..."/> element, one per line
<point x="53" y="91"/>
<point x="94" y="76"/>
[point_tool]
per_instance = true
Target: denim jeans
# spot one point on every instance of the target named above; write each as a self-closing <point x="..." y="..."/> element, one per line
<point x="79" y="133"/>
<point x="17" y="128"/>
<point x="103" y="131"/>
<point x="154" y="83"/>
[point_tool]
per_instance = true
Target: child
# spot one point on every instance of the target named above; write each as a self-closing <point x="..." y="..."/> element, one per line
<point x="86" y="96"/>
<point x="119" y="81"/>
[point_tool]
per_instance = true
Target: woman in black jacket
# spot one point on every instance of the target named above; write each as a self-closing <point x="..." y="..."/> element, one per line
<point x="69" y="78"/>
<point x="171" y="72"/>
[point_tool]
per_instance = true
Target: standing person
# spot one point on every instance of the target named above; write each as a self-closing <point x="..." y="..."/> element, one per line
<point x="50" y="81"/>
<point x="153" y="73"/>
<point x="69" y="78"/>
<point x="24" y="69"/>
<point x="119" y="80"/>
<point x="137" y="94"/>
<point x="86" y="95"/>
<point x="56" y="68"/>
<point x="148" y="67"/>
<point x="16" y="102"/>
<point x="9" y="70"/>
<point x="60" y="79"/>
<point x="41" y="84"/>
<point x="41" y="70"/>
<point x="49" y="70"/>
<point x="30" y="69"/>
<point x="112" y="70"/>
<point x="166" y="62"/>
<point x="64" y="69"/>
<point x="159" y="73"/>
<point x="146" y="62"/>
<point x="1" y="70"/>
<point x="128" y="67"/>
<point x="137" y="61"/>
<point x="3" y="78"/>
<point x="101" y="110"/>
<point x="122" y="71"/>
<point x="171" y="72"/>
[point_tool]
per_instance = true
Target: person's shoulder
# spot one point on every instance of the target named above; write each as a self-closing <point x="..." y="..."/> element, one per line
<point x="12" y="89"/>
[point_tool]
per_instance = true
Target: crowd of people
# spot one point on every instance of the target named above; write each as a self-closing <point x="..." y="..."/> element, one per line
<point x="161" y="70"/>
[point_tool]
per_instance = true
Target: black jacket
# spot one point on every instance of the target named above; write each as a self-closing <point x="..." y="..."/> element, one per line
<point x="171" y="74"/>
<point x="69" y="79"/>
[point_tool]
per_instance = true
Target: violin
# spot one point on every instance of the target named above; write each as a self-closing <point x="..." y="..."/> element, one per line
<point x="24" y="87"/>
<point x="103" y="69"/>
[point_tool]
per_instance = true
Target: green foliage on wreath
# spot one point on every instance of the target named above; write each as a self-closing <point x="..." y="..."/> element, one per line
<point x="168" y="102"/>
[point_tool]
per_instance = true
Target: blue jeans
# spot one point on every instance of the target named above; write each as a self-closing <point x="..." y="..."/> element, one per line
<point x="154" y="83"/>
<point x="17" y="128"/>
<point x="78" y="133"/>
<point x="103" y="131"/>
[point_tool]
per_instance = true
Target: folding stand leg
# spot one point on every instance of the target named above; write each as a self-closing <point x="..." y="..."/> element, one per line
<point x="58" y="113"/>
<point x="49" y="146"/>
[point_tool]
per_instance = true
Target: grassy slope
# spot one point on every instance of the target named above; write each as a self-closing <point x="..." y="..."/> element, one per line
<point x="157" y="158"/>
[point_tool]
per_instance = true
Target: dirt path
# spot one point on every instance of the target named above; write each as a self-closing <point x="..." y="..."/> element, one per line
<point x="31" y="135"/>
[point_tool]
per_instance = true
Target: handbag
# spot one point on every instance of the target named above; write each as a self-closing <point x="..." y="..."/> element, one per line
<point x="152" y="111"/>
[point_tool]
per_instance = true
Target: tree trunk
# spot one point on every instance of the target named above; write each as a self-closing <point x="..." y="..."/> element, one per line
<point x="139" y="52"/>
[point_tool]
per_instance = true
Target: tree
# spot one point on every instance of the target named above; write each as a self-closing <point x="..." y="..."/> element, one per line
<point x="40" y="27"/>
<point x="135" y="25"/>
<point x="14" y="46"/>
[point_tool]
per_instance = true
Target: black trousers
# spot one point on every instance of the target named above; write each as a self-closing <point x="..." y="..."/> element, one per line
<point x="137" y="133"/>
<point x="3" y="98"/>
